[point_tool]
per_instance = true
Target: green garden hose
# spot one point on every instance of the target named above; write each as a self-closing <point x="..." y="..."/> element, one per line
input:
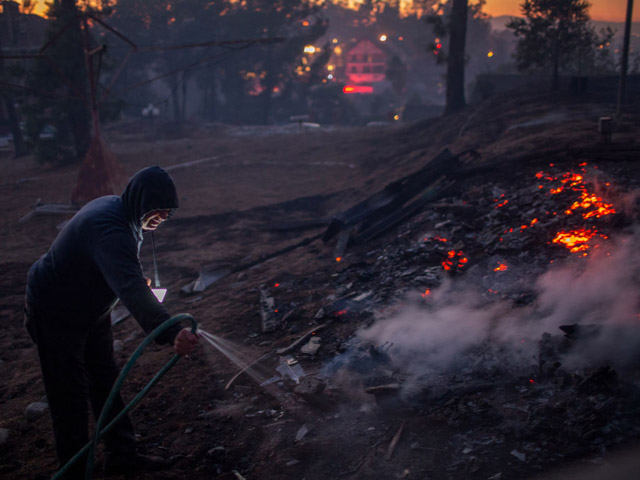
<point x="89" y="448"/>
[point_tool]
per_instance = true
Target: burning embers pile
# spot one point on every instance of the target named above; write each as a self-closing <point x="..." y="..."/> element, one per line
<point x="583" y="208"/>
<point x="501" y="238"/>
<point x="471" y="347"/>
<point x="589" y="206"/>
<point x="562" y="208"/>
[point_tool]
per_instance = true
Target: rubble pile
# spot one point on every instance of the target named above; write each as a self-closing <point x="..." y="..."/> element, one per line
<point x="517" y="405"/>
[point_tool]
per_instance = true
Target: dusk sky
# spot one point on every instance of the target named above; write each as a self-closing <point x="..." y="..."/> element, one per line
<point x="612" y="10"/>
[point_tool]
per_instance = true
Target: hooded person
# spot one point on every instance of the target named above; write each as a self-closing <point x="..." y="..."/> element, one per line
<point x="71" y="290"/>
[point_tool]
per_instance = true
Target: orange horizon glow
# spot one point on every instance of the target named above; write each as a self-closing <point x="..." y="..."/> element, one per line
<point x="604" y="10"/>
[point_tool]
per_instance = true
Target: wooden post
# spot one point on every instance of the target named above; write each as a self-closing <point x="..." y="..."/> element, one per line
<point x="625" y="61"/>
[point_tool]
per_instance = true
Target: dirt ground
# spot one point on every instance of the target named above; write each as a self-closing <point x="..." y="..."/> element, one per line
<point x="246" y="193"/>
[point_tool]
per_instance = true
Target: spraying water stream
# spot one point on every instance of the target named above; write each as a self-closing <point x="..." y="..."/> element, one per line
<point x="234" y="354"/>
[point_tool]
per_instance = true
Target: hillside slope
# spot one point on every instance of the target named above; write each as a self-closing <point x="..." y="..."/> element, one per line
<point x="439" y="349"/>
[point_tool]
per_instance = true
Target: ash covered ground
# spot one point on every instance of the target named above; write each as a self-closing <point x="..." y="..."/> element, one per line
<point x="483" y="324"/>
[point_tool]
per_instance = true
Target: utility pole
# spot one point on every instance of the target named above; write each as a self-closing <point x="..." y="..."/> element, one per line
<point x="625" y="61"/>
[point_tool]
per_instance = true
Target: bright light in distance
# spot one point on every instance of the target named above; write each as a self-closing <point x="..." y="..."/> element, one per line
<point x="330" y="76"/>
<point x="330" y="67"/>
<point x="159" y="293"/>
<point x="383" y="38"/>
<point x="309" y="49"/>
<point x="357" y="89"/>
<point x="490" y="54"/>
<point x="335" y="40"/>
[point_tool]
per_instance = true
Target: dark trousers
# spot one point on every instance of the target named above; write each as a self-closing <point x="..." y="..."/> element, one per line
<point x="78" y="369"/>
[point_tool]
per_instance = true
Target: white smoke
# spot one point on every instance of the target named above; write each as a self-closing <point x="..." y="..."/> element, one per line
<point x="601" y="289"/>
<point x="439" y="336"/>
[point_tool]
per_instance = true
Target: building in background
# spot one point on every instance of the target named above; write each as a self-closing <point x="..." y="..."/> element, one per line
<point x="366" y="63"/>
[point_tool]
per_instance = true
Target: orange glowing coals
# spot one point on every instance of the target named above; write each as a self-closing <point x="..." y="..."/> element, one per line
<point x="577" y="240"/>
<point x="454" y="259"/>
<point x="501" y="267"/>
<point x="435" y="237"/>
<point x="591" y="201"/>
<point x="589" y="205"/>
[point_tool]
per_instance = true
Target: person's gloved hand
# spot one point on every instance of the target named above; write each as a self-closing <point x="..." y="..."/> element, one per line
<point x="185" y="342"/>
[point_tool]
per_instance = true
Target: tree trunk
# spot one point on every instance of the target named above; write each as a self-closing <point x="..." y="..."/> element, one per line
<point x="19" y="147"/>
<point x="77" y="109"/>
<point x="268" y="87"/>
<point x="455" y="62"/>
<point x="555" y="79"/>
<point x="185" y="86"/>
<point x="175" y="99"/>
<point x="625" y="60"/>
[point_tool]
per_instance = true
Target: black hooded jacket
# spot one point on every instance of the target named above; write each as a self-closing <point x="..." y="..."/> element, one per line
<point x="94" y="260"/>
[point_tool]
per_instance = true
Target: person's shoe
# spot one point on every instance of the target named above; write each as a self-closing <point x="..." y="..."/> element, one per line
<point x="118" y="465"/>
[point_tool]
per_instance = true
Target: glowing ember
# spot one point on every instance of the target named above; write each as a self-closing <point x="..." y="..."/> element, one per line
<point x="338" y="259"/>
<point x="589" y="205"/>
<point x="577" y="240"/>
<point x="276" y="285"/>
<point x="501" y="267"/>
<point x="436" y="238"/>
<point x="426" y="293"/>
<point x="454" y="259"/>
<point x="340" y="312"/>
<point x="593" y="202"/>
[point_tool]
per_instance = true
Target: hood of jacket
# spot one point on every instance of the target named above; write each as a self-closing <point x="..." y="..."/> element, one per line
<point x="152" y="188"/>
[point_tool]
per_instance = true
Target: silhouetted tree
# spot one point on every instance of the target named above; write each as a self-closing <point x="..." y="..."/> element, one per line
<point x="234" y="80"/>
<point x="165" y="23"/>
<point x="9" y="72"/>
<point x="60" y="90"/>
<point x="451" y="22"/>
<point x="552" y="34"/>
<point x="455" y="62"/>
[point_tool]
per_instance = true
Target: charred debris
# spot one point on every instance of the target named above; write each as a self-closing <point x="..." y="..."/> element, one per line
<point x="461" y="238"/>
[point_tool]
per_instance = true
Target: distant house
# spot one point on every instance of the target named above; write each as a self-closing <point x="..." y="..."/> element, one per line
<point x="365" y="63"/>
